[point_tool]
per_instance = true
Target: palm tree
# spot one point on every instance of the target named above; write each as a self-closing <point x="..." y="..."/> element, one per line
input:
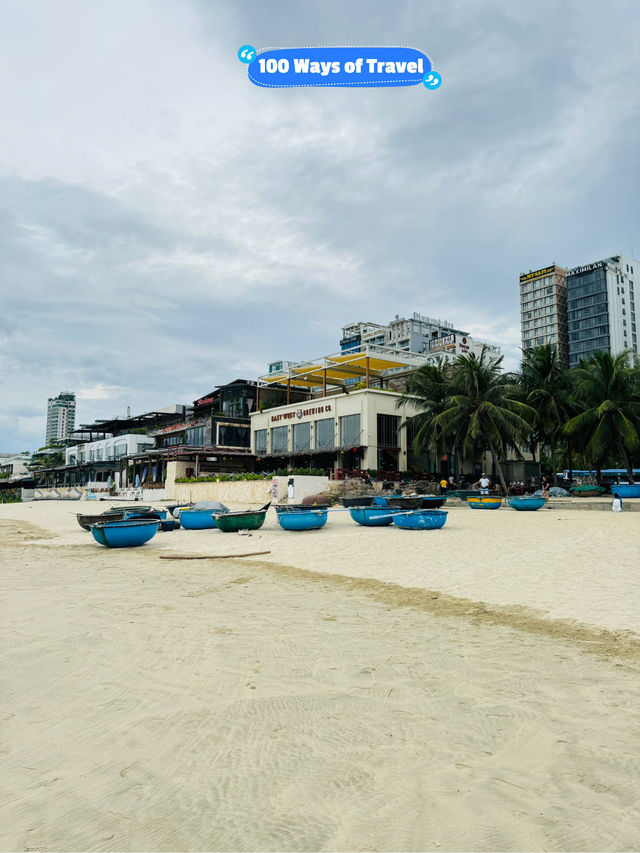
<point x="427" y="389"/>
<point x="484" y="408"/>
<point x="547" y="387"/>
<point x="609" y="390"/>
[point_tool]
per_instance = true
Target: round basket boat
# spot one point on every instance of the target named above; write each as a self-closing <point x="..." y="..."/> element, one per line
<point x="231" y="522"/>
<point x="421" y="519"/>
<point x="484" y="503"/>
<point x="124" y="534"/>
<point x="526" y="504"/>
<point x="307" y="519"/>
<point x="371" y="516"/>
<point x="150" y="513"/>
<point x="433" y="501"/>
<point x="197" y="519"/>
<point x="299" y="507"/>
<point x="381" y="500"/>
<point x="626" y="490"/>
<point x="361" y="500"/>
<point x="405" y="502"/>
<point x="85" y="521"/>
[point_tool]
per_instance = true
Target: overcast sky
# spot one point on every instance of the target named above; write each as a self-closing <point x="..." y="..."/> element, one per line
<point x="166" y="226"/>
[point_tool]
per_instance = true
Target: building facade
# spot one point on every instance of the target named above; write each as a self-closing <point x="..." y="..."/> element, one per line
<point x="601" y="307"/>
<point x="401" y="334"/>
<point x="61" y="417"/>
<point x="448" y="347"/>
<point x="543" y="310"/>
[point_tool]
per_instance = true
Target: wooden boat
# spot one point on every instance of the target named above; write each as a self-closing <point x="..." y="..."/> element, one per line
<point x="406" y="502"/>
<point x="158" y="514"/>
<point x="484" y="502"/>
<point x="307" y="519"/>
<point x="371" y="516"/>
<point x="433" y="501"/>
<point x="587" y="491"/>
<point x="626" y="490"/>
<point x="231" y="522"/>
<point x="421" y="519"/>
<point x="360" y="500"/>
<point x="527" y="504"/>
<point x="124" y="534"/>
<point x="85" y="521"/>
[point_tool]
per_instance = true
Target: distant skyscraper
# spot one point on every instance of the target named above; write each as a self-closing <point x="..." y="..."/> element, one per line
<point x="61" y="417"/>
<point x="543" y="310"/>
<point x="601" y="307"/>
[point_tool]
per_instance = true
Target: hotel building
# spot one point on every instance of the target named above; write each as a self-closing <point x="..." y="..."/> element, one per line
<point x="61" y="417"/>
<point x="543" y="310"/>
<point x="601" y="307"/>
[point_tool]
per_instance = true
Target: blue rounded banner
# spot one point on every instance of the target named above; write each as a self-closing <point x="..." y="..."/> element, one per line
<point x="339" y="66"/>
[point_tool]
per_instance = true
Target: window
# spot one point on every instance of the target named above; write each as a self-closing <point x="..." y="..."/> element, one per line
<point x="280" y="439"/>
<point x="350" y="430"/>
<point x="388" y="430"/>
<point x="120" y="450"/>
<point x="172" y="440"/>
<point x="232" y="435"/>
<point x="92" y="456"/>
<point x="261" y="441"/>
<point x="196" y="436"/>
<point x="99" y="454"/>
<point x="110" y="452"/>
<point x="141" y="448"/>
<point x="301" y="437"/>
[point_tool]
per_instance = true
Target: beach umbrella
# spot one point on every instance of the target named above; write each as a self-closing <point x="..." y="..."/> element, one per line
<point x="144" y="473"/>
<point x="137" y="481"/>
<point x="109" y="482"/>
<point x="155" y="473"/>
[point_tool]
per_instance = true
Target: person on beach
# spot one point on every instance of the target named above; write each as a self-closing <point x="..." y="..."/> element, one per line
<point x="485" y="482"/>
<point x="452" y="482"/>
<point x="443" y="486"/>
<point x="545" y="487"/>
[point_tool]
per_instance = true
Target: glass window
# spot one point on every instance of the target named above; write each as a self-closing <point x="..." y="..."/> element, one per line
<point x="110" y="452"/>
<point x="99" y="454"/>
<point x="120" y="450"/>
<point x="350" y="430"/>
<point x="261" y="441"/>
<point x="280" y="439"/>
<point x="325" y="430"/>
<point x="302" y="437"/>
<point x="92" y="456"/>
<point x="196" y="436"/>
<point x="232" y="435"/>
<point x="388" y="430"/>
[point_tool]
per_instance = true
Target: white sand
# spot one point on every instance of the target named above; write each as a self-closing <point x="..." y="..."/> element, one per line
<point x="473" y="688"/>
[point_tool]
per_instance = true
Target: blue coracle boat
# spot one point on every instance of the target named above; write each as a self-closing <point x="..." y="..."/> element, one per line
<point x="380" y="500"/>
<point x="124" y="534"/>
<point x="421" y="519"/>
<point x="371" y="516"/>
<point x="134" y="513"/>
<point x="310" y="519"/>
<point x="197" y="519"/>
<point x="484" y="503"/>
<point x="528" y="504"/>
<point x="626" y="490"/>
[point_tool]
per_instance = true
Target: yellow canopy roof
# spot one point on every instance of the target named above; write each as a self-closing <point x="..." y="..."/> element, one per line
<point x="334" y="369"/>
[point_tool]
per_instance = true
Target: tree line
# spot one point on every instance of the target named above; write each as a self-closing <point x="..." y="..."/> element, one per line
<point x="587" y="416"/>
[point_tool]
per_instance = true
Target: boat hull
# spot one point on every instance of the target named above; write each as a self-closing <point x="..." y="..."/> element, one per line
<point x="362" y="500"/>
<point x="421" y="519"/>
<point x="526" y="504"/>
<point x="151" y="513"/>
<point x="124" y="534"/>
<point x="231" y="522"/>
<point x="85" y="521"/>
<point x="626" y="490"/>
<point x="197" y="519"/>
<point x="484" y="503"/>
<point x="311" y="519"/>
<point x="371" y="516"/>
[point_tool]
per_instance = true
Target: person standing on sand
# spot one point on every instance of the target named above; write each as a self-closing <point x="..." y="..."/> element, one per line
<point x="485" y="482"/>
<point x="545" y="487"/>
<point x="443" y="486"/>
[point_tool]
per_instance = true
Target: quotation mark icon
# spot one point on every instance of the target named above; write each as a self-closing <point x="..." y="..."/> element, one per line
<point x="247" y="53"/>
<point x="432" y="80"/>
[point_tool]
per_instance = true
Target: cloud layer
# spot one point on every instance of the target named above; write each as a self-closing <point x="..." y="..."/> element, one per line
<point x="165" y="226"/>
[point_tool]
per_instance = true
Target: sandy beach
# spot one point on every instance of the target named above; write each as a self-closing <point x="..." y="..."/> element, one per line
<point x="473" y="688"/>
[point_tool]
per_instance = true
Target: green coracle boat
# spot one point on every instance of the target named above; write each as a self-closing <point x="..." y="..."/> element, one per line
<point x="232" y="522"/>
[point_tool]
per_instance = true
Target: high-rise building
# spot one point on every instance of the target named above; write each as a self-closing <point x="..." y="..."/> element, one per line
<point x="543" y="310"/>
<point x="601" y="307"/>
<point x="406" y="335"/>
<point x="61" y="417"/>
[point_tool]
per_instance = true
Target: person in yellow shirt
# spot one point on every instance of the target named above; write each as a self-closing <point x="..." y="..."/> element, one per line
<point x="443" y="486"/>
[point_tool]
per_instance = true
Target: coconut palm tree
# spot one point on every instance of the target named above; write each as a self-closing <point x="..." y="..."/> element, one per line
<point x="484" y="408"/>
<point x="547" y="387"/>
<point x="427" y="389"/>
<point x="608" y="389"/>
